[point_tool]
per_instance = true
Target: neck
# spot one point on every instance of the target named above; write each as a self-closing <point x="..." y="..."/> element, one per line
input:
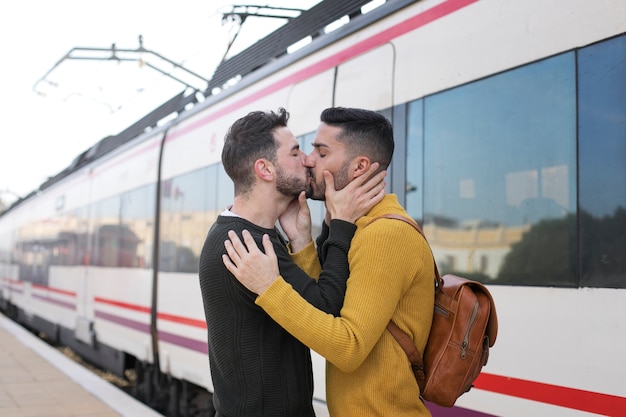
<point x="261" y="208"/>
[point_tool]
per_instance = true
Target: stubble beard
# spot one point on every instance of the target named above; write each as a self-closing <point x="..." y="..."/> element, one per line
<point x="291" y="186"/>
<point x="318" y="188"/>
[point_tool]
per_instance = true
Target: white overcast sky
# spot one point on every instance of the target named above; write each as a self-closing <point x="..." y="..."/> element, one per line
<point x="42" y="134"/>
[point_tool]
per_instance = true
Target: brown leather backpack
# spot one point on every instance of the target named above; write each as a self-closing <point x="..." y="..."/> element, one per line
<point x="464" y="327"/>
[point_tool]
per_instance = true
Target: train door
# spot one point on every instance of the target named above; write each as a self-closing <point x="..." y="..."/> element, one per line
<point x="84" y="331"/>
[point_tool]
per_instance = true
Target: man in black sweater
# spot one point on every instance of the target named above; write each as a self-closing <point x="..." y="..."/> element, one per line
<point x="257" y="368"/>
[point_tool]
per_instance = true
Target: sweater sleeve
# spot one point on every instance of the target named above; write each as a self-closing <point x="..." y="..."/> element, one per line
<point x="307" y="260"/>
<point x="322" y="238"/>
<point x="329" y="290"/>
<point x="333" y="245"/>
<point x="379" y="274"/>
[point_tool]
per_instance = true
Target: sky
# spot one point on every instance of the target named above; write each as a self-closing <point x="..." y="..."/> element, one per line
<point x="52" y="113"/>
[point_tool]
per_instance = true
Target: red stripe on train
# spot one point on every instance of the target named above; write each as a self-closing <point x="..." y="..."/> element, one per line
<point x="591" y="402"/>
<point x="161" y="316"/>
<point x="55" y="290"/>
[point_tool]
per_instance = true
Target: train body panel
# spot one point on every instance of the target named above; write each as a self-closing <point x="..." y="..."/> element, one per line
<point x="60" y="300"/>
<point x="301" y="102"/>
<point x="182" y="328"/>
<point x="205" y="141"/>
<point x="582" y="319"/>
<point x="498" y="112"/>
<point x="121" y="300"/>
<point x="127" y="168"/>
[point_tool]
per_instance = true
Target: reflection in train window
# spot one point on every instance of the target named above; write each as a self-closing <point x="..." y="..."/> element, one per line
<point x="414" y="188"/>
<point x="510" y="217"/>
<point x="184" y="218"/>
<point x="602" y="160"/>
<point x="123" y="230"/>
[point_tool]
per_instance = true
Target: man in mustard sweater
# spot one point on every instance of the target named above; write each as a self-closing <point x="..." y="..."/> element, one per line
<point x="257" y="368"/>
<point x="391" y="278"/>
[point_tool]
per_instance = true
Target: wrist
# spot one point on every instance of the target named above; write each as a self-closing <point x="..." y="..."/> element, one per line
<point x="297" y="245"/>
<point x="344" y="217"/>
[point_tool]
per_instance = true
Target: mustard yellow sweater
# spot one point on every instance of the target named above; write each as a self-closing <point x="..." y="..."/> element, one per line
<point x="391" y="277"/>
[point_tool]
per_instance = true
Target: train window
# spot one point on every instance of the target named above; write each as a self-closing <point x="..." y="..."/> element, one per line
<point x="106" y="232"/>
<point x="137" y="213"/>
<point x="184" y="211"/>
<point x="123" y="230"/>
<point x="225" y="191"/>
<point x="500" y="176"/>
<point x="68" y="246"/>
<point x="6" y="241"/>
<point x="414" y="157"/>
<point x="602" y="162"/>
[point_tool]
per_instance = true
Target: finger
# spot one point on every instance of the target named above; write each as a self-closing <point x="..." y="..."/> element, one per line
<point x="329" y="180"/>
<point x="249" y="241"/>
<point x="302" y="198"/>
<point x="379" y="196"/>
<point x="232" y="268"/>
<point x="373" y="167"/>
<point x="375" y="182"/>
<point x="236" y="243"/>
<point x="362" y="179"/>
<point x="304" y="206"/>
<point x="269" y="248"/>
<point x="233" y="255"/>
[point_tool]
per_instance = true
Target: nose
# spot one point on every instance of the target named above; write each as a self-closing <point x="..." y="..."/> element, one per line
<point x="308" y="161"/>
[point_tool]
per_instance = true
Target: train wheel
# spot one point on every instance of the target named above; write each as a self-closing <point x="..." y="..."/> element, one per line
<point x="174" y="404"/>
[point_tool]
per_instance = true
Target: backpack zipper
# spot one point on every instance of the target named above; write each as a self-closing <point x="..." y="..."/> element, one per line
<point x="465" y="343"/>
<point x="440" y="310"/>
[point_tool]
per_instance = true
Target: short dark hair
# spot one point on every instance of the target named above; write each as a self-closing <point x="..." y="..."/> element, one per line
<point x="364" y="132"/>
<point x="248" y="139"/>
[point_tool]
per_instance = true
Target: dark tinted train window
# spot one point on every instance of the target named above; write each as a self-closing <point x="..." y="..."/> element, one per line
<point x="414" y="161"/>
<point x="107" y="232"/>
<point x="70" y="243"/>
<point x="137" y="214"/>
<point x="225" y="190"/>
<point x="123" y="230"/>
<point x="500" y="175"/>
<point x="184" y="209"/>
<point x="602" y="159"/>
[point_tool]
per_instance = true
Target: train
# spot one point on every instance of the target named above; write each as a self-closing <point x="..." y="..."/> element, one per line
<point x="510" y="129"/>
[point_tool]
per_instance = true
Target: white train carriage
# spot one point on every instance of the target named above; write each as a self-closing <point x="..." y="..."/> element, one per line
<point x="510" y="143"/>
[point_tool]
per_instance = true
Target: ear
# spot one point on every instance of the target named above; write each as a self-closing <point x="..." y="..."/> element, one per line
<point x="264" y="169"/>
<point x="361" y="164"/>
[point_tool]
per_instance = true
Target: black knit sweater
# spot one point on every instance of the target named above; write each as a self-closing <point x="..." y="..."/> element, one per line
<point x="257" y="368"/>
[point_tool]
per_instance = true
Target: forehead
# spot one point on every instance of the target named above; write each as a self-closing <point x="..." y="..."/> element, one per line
<point x="285" y="138"/>
<point x="326" y="136"/>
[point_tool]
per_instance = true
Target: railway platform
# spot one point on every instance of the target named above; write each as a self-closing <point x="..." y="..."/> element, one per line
<point x="36" y="380"/>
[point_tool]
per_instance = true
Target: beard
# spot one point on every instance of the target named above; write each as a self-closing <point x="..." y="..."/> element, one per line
<point x="317" y="190"/>
<point x="291" y="186"/>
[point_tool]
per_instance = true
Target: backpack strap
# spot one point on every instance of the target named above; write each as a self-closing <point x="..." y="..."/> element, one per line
<point x="417" y="364"/>
<point x="413" y="223"/>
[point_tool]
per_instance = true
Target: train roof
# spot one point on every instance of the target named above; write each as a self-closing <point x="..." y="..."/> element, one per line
<point x="310" y="23"/>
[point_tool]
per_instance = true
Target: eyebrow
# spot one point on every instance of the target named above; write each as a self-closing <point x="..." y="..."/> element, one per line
<point x="319" y="145"/>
